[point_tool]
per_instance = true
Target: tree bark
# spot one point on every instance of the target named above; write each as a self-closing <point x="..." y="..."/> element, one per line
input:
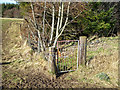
<point x="61" y="19"/>
<point x="58" y="22"/>
<point x="40" y="47"/>
<point x="44" y="27"/>
<point x="52" y="63"/>
<point x="53" y="20"/>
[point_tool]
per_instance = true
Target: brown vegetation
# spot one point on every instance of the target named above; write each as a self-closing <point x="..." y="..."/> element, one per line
<point x="23" y="68"/>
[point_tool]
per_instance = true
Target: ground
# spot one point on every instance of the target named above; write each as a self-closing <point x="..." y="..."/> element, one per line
<point x="23" y="68"/>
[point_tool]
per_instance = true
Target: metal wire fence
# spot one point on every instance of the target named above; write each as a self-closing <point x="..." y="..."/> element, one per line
<point x="67" y="55"/>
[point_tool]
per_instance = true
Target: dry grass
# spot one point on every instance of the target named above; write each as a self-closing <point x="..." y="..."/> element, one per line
<point x="102" y="57"/>
<point x="12" y="19"/>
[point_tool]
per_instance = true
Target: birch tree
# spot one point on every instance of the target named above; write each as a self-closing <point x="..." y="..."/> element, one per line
<point x="40" y="41"/>
<point x="49" y="21"/>
<point x="59" y="29"/>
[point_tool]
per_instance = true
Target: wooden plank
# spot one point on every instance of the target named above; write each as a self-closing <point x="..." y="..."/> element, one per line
<point x="82" y="50"/>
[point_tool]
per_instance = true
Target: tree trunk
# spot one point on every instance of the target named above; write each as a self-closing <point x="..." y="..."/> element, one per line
<point x="53" y="20"/>
<point x="44" y="26"/>
<point x="52" y="59"/>
<point x="61" y="19"/>
<point x="40" y="46"/>
<point x="58" y="22"/>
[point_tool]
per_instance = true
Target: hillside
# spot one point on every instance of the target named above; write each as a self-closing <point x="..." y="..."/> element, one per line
<point x="11" y="10"/>
<point x="24" y="68"/>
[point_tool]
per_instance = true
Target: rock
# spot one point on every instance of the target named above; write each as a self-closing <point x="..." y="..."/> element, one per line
<point x="97" y="41"/>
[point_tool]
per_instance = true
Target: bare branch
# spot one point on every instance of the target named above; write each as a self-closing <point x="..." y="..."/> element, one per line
<point x="31" y="32"/>
<point x="65" y="21"/>
<point x="38" y="14"/>
<point x="31" y="21"/>
<point x="73" y="19"/>
<point x="33" y="13"/>
<point x="40" y="44"/>
<point x="48" y="23"/>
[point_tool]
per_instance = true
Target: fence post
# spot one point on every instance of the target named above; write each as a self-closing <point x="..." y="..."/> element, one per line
<point x="52" y="64"/>
<point x="82" y="50"/>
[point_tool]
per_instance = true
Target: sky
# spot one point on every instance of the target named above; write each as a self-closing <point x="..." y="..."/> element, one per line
<point x="7" y="1"/>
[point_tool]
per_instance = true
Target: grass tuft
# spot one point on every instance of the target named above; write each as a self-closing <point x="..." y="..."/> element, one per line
<point x="103" y="76"/>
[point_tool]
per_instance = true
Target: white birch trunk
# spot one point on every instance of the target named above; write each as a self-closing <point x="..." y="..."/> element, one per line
<point x="44" y="27"/>
<point x="33" y="15"/>
<point x="39" y="43"/>
<point x="44" y="18"/>
<point x="58" y="22"/>
<point x="53" y="20"/>
<point x="61" y="19"/>
<point x="62" y="29"/>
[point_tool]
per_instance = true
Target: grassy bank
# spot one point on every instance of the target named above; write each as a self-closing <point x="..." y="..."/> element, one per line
<point x="23" y="68"/>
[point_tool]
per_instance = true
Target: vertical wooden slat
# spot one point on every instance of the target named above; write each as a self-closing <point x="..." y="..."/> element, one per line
<point x="29" y="41"/>
<point x="82" y="48"/>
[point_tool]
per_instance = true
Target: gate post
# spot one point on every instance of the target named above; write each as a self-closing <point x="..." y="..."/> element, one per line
<point x="82" y="50"/>
<point x="52" y="57"/>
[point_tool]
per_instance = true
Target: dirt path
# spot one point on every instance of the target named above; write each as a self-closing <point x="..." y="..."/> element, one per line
<point x="35" y="80"/>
